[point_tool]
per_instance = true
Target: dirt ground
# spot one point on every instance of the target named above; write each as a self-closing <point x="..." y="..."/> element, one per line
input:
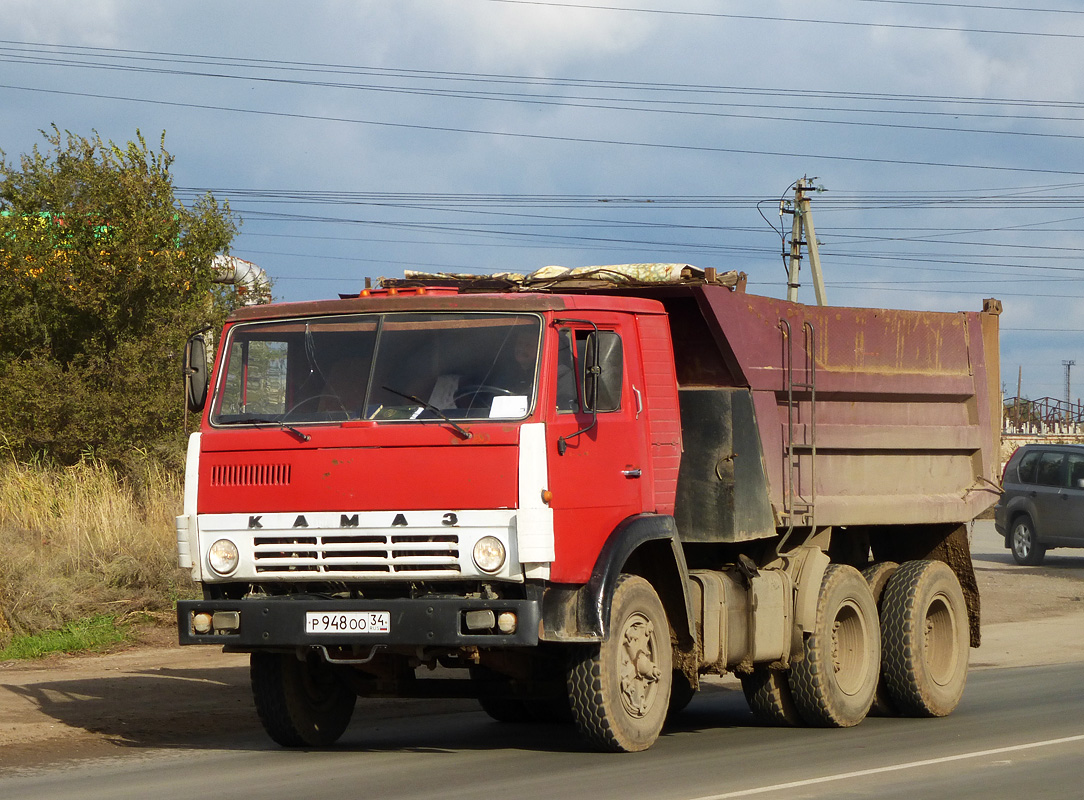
<point x="157" y="695"/>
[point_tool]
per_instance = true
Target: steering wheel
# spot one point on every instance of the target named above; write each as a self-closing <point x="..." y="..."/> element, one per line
<point x="313" y="399"/>
<point x="477" y="389"/>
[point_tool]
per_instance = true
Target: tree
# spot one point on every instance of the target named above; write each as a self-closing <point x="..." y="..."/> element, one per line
<point x="103" y="275"/>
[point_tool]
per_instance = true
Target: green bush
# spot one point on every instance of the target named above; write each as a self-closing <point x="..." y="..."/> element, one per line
<point x="103" y="275"/>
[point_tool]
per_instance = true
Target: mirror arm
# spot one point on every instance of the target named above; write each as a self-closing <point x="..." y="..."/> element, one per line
<point x="562" y="442"/>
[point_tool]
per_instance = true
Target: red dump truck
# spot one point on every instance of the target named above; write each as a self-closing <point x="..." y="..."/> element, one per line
<point x="577" y="493"/>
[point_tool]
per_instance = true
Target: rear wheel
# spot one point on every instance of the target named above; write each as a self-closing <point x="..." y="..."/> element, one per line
<point x="1025" y="546"/>
<point x="834" y="684"/>
<point x="300" y="703"/>
<point x="620" y="689"/>
<point x="877" y="576"/>
<point x="925" y="639"/>
<point x="768" y="693"/>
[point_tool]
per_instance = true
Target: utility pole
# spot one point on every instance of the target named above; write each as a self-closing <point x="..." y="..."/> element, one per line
<point x="1016" y="404"/>
<point x="1068" y="389"/>
<point x="802" y="232"/>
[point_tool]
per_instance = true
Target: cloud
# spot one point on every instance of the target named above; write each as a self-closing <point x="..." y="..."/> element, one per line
<point x="95" y="23"/>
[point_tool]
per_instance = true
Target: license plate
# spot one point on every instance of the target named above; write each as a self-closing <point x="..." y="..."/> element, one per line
<point x="347" y="621"/>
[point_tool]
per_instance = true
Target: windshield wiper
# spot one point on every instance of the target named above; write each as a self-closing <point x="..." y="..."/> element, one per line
<point x="263" y="423"/>
<point x="430" y="407"/>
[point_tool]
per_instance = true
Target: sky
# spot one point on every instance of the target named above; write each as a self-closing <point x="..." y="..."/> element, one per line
<point x="359" y="138"/>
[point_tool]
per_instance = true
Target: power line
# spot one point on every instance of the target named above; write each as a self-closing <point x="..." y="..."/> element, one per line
<point x="633" y="105"/>
<point x="976" y="6"/>
<point x="551" y="137"/>
<point x="19" y="54"/>
<point x="802" y="20"/>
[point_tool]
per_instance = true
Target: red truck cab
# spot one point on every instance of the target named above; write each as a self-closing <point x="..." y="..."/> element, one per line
<point x="388" y="442"/>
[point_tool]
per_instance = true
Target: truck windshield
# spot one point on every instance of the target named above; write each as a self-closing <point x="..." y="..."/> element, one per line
<point x="404" y="366"/>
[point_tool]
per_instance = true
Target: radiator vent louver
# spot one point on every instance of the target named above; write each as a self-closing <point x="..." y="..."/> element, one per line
<point x="250" y="474"/>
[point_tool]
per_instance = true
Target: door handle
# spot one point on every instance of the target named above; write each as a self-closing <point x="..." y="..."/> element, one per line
<point x="631" y="473"/>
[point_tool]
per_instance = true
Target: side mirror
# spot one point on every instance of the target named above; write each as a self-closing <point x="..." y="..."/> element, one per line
<point x="195" y="372"/>
<point x="603" y="372"/>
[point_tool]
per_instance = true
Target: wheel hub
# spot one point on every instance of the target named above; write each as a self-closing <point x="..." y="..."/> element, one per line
<point x="639" y="672"/>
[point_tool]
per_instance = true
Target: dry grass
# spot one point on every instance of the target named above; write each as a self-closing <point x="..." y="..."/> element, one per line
<point x="78" y="542"/>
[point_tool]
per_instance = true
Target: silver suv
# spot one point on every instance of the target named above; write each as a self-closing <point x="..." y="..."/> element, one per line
<point x="1042" y="501"/>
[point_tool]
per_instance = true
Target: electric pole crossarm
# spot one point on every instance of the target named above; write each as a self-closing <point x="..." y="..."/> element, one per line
<point x="802" y="231"/>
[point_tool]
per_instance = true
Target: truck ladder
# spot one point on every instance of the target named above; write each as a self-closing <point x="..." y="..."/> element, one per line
<point x="798" y="509"/>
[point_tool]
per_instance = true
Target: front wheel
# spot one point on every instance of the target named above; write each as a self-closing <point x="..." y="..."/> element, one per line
<point x="1026" y="549"/>
<point x="300" y="703"/>
<point x="925" y="639"/>
<point x="834" y="684"/>
<point x="620" y="689"/>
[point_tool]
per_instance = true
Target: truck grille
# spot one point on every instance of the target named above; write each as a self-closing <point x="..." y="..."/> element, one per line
<point x="357" y="554"/>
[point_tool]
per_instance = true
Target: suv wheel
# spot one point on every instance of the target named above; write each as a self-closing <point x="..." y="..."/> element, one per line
<point x="1025" y="546"/>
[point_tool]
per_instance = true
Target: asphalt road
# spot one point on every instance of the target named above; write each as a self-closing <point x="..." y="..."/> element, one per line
<point x="1017" y="733"/>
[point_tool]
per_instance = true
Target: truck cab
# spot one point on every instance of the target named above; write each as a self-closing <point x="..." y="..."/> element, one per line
<point x="410" y="439"/>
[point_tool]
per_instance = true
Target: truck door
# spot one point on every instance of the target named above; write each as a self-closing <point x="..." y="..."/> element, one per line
<point x="598" y="463"/>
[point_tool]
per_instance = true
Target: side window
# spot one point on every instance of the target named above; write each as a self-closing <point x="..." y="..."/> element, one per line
<point x="1076" y="471"/>
<point x="577" y="387"/>
<point x="1050" y="469"/>
<point x="256" y="381"/>
<point x="568" y="394"/>
<point x="1028" y="465"/>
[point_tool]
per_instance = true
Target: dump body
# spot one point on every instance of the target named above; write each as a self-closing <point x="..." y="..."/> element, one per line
<point x="863" y="416"/>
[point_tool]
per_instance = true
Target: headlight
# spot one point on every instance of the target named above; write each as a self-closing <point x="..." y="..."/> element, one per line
<point x="222" y="556"/>
<point x="489" y="554"/>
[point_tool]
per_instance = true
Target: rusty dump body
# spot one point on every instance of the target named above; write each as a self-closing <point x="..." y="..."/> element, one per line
<point x="864" y="416"/>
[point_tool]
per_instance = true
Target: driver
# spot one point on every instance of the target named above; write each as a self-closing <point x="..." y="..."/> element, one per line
<point x="514" y="371"/>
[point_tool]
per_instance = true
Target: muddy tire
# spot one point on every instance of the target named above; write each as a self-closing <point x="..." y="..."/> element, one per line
<point x="925" y="639"/>
<point x="300" y="703"/>
<point x="877" y="576"/>
<point x="834" y="684"/>
<point x="620" y="689"/>
<point x="1026" y="550"/>
<point x="768" y="693"/>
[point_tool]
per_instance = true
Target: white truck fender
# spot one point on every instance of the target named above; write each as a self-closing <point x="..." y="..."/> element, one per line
<point x="812" y="564"/>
